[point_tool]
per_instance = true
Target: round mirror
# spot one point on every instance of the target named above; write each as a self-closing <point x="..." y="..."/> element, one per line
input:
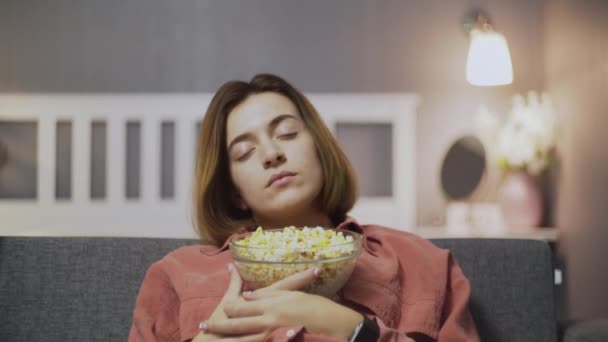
<point x="463" y="168"/>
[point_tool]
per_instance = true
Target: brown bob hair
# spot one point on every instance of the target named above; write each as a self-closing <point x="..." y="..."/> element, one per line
<point x="216" y="215"/>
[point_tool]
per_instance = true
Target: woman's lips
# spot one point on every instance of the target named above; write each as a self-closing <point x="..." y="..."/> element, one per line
<point x="281" y="182"/>
<point x="278" y="176"/>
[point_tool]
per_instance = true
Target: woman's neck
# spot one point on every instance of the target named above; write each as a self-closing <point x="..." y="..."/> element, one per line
<point x="306" y="219"/>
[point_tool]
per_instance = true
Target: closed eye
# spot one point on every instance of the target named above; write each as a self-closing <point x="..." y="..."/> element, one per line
<point x="288" y="136"/>
<point x="246" y="155"/>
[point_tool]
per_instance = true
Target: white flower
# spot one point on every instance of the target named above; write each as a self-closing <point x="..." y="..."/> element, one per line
<point x="528" y="135"/>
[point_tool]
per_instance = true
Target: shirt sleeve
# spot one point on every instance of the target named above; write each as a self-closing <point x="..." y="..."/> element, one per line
<point x="457" y="322"/>
<point x="391" y="335"/>
<point x="298" y="334"/>
<point x="156" y="313"/>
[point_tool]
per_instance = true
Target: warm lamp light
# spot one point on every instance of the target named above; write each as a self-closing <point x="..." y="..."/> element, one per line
<point x="488" y="60"/>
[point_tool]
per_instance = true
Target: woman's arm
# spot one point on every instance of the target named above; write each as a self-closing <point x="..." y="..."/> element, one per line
<point x="457" y="322"/>
<point x="279" y="313"/>
<point x="156" y="313"/>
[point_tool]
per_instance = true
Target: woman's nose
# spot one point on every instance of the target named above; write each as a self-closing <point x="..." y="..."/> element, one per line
<point x="274" y="158"/>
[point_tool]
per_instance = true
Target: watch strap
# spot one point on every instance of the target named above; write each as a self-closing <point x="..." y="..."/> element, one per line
<point x="366" y="331"/>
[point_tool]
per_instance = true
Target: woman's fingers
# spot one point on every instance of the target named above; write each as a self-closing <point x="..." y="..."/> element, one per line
<point x="241" y="308"/>
<point x="295" y="282"/>
<point x="237" y="326"/>
<point x="263" y="294"/>
<point x="236" y="284"/>
<point x="245" y="338"/>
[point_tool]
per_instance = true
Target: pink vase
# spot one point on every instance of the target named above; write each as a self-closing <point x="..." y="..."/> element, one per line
<point x="520" y="201"/>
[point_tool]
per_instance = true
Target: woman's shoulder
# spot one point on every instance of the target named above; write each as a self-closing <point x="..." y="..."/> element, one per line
<point x="198" y="257"/>
<point x="188" y="270"/>
<point x="185" y="251"/>
<point x="402" y="241"/>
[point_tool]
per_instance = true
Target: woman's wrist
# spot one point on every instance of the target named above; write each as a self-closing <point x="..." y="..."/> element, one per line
<point x="351" y="320"/>
<point x="204" y="337"/>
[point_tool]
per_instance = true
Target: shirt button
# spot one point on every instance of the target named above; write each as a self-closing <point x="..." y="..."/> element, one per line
<point x="290" y="332"/>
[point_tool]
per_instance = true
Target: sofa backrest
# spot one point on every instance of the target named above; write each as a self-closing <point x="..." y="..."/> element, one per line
<point x="84" y="289"/>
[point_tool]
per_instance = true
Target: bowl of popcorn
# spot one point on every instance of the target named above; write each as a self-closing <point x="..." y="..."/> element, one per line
<point x="264" y="257"/>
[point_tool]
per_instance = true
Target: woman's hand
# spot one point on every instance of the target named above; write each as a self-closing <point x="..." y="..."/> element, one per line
<point x="279" y="305"/>
<point x="232" y="295"/>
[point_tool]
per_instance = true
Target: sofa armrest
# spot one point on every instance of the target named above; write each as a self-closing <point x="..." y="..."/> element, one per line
<point x="587" y="331"/>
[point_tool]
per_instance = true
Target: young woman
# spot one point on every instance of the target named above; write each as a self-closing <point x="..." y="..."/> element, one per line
<point x="265" y="158"/>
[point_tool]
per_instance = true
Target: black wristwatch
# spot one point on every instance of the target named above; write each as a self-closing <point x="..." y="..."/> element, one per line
<point x="366" y="331"/>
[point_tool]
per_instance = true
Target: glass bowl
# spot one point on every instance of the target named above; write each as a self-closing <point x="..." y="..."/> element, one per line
<point x="263" y="266"/>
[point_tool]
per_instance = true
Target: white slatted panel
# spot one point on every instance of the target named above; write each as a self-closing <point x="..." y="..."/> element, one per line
<point x="116" y="156"/>
<point x="150" y="161"/>
<point x="151" y="216"/>
<point x="184" y="160"/>
<point x="399" y="110"/>
<point x="81" y="151"/>
<point x="46" y="159"/>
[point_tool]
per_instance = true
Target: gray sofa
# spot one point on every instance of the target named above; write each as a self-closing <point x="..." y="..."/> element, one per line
<point x="83" y="289"/>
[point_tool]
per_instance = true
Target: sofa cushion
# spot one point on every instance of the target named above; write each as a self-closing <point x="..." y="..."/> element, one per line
<point x="73" y="289"/>
<point x="512" y="287"/>
<point x="84" y="289"/>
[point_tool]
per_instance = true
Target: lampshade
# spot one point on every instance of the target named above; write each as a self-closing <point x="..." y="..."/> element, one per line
<point x="489" y="60"/>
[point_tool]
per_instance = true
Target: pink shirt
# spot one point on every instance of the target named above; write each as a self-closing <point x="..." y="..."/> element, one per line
<point x="408" y="285"/>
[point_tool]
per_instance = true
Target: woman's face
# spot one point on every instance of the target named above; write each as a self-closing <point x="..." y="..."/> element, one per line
<point x="273" y="159"/>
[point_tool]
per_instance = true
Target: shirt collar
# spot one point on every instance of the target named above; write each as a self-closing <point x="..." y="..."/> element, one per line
<point x="350" y="224"/>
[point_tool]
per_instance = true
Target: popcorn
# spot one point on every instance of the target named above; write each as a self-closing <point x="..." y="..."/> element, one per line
<point x="292" y="244"/>
<point x="267" y="256"/>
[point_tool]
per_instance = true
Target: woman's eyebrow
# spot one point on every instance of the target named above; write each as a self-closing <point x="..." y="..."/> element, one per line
<point x="277" y="120"/>
<point x="239" y="138"/>
<point x="271" y="126"/>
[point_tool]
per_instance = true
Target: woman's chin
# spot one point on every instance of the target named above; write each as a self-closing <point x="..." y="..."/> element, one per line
<point x="286" y="207"/>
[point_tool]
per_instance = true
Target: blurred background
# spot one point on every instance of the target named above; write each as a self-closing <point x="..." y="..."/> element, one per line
<point x="490" y="149"/>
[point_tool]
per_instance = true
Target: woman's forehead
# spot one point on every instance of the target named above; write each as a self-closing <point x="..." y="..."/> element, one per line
<point x="257" y="112"/>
